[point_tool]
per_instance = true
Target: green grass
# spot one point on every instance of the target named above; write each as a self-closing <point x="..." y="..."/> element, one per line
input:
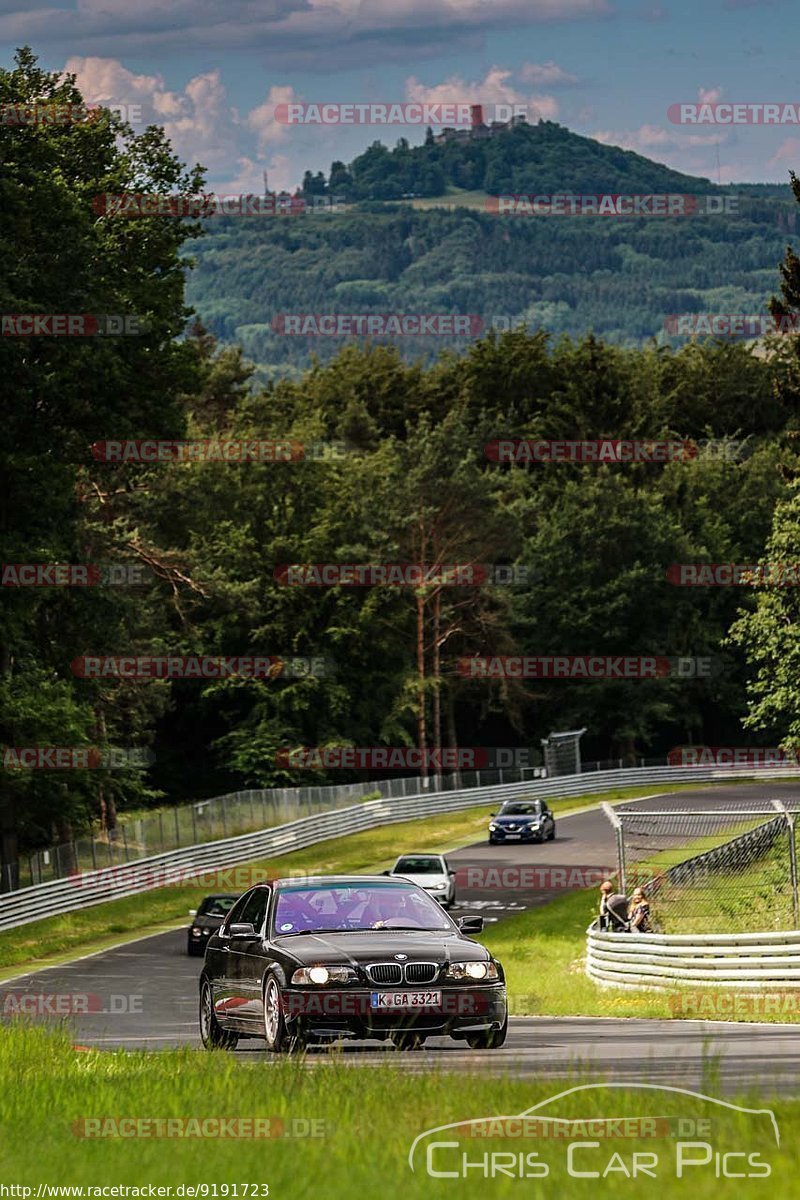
<point x="368" y="1117"/>
<point x="755" y="900"/>
<point x="543" y="952"/>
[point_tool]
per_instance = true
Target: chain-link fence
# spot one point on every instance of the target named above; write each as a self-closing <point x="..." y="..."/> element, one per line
<point x="226" y="816"/>
<point x="728" y="867"/>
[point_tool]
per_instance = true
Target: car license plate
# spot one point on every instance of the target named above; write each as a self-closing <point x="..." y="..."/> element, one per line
<point x="405" y="1000"/>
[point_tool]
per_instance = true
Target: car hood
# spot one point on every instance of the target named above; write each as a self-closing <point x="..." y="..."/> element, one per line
<point x="381" y="946"/>
<point x="424" y="881"/>
<point x="207" y="922"/>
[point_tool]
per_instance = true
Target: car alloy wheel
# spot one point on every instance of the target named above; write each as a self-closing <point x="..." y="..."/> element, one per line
<point x="488" y="1039"/>
<point x="276" y="1035"/>
<point x="212" y="1035"/>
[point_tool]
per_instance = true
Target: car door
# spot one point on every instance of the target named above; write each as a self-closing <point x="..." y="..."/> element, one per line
<point x="219" y="965"/>
<point x="247" y="959"/>
<point x="451" y="878"/>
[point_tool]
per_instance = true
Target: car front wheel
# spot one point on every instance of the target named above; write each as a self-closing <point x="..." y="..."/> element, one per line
<point x="488" y="1039"/>
<point x="276" y="1035"/>
<point x="212" y="1035"/>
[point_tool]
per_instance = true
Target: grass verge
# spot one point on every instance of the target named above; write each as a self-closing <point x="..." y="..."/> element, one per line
<point x="543" y="952"/>
<point x="365" y="1121"/>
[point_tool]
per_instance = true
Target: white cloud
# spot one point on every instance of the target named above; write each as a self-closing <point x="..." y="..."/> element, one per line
<point x="548" y="74"/>
<point x="495" y="89"/>
<point x="788" y="152"/>
<point x="200" y="123"/>
<point x="262" y="120"/>
<point x="650" y="137"/>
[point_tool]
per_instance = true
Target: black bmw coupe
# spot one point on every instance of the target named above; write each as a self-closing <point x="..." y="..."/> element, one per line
<point x="316" y="960"/>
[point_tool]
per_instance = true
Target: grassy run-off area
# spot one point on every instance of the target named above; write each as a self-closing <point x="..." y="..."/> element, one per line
<point x="81" y="932"/>
<point x="365" y="1123"/>
<point x="543" y="948"/>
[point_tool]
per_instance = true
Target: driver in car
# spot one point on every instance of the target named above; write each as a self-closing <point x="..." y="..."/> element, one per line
<point x="393" y="905"/>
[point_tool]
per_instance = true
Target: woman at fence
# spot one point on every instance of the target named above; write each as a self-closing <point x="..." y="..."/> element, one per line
<point x="639" y="912"/>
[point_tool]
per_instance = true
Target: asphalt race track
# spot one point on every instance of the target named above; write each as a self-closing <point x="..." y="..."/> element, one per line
<point x="144" y="995"/>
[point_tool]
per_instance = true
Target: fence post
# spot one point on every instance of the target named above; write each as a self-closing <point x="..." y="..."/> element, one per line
<point x="617" y="824"/>
<point x="779" y="805"/>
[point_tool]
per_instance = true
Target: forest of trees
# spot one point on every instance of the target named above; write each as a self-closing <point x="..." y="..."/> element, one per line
<point x="619" y="278"/>
<point x="542" y="157"/>
<point x="413" y="484"/>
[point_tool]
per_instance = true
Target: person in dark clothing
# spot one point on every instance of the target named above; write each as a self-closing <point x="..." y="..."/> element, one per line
<point x="613" y="909"/>
<point x="639" y="912"/>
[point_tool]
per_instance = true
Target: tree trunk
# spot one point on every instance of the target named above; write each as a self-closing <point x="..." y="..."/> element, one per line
<point x="9" y="844"/>
<point x="452" y="738"/>
<point x="421" y="730"/>
<point x="437" y="679"/>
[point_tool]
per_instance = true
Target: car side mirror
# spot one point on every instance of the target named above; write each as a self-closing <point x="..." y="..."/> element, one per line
<point x="192" y="912"/>
<point x="452" y="873"/>
<point x="492" y="814"/>
<point x="242" y="929"/>
<point x="470" y="924"/>
<point x="386" y="872"/>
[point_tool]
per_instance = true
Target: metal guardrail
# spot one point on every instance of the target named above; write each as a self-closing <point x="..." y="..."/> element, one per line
<point x="94" y="887"/>
<point x="739" y="852"/>
<point x="664" y="961"/>
<point x="231" y="815"/>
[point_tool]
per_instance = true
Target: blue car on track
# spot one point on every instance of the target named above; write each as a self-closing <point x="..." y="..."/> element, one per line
<point x="522" y="821"/>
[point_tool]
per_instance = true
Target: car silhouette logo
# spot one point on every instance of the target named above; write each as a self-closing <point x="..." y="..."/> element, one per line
<point x="401" y="957"/>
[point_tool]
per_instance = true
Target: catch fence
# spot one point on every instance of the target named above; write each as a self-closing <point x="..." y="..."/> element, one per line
<point x="730" y="866"/>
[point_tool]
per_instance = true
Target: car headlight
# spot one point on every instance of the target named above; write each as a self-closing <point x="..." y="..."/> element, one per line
<point x="492" y="826"/>
<point x="195" y="933"/>
<point x="471" y="970"/>
<point x="321" y="975"/>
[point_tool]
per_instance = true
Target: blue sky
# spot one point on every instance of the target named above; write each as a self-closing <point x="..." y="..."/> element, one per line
<point x="213" y="73"/>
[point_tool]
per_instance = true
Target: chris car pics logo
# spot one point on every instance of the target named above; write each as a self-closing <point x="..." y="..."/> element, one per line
<point x="626" y="1133"/>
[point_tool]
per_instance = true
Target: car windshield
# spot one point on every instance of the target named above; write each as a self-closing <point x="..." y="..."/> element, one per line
<point x="349" y="907"/>
<point x="418" y="865"/>
<point x="216" y="906"/>
<point x="519" y="809"/>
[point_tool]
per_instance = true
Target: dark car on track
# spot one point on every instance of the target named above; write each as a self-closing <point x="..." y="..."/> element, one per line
<point x="522" y="821"/>
<point x="207" y="920"/>
<point x="348" y="957"/>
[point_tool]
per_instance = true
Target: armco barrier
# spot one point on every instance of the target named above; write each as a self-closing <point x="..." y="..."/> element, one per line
<point x="95" y="887"/>
<point x="664" y="961"/>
